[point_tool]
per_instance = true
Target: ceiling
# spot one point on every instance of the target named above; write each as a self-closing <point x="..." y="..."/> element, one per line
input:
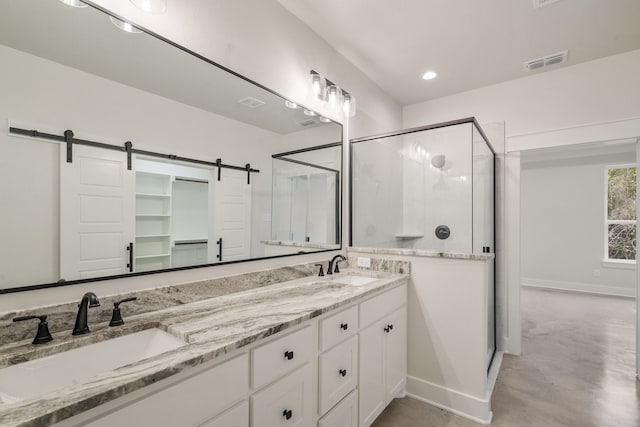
<point x="469" y="43"/>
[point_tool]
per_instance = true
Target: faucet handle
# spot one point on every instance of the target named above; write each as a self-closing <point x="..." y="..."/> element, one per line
<point x="337" y="270"/>
<point x="321" y="272"/>
<point x="43" y="335"/>
<point x="116" y="317"/>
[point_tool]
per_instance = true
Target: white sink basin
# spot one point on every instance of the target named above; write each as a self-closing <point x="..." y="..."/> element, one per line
<point x="354" y="280"/>
<point x="40" y="376"/>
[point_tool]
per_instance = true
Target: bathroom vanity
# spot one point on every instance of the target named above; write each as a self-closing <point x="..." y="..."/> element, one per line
<point x="309" y="351"/>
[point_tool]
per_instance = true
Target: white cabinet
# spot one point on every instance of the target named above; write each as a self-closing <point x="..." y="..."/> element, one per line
<point x="338" y="327"/>
<point x="338" y="373"/>
<point x="383" y="353"/>
<point x="288" y="402"/>
<point x="345" y="414"/>
<point x="238" y="416"/>
<point x="186" y="403"/>
<point x="273" y="360"/>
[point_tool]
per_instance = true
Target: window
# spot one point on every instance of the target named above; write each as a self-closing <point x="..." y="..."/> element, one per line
<point x="621" y="214"/>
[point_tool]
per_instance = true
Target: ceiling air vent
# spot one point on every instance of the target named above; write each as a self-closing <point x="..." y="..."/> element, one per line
<point x="541" y="3"/>
<point x="251" y="102"/>
<point x="555" y="58"/>
<point x="308" y="122"/>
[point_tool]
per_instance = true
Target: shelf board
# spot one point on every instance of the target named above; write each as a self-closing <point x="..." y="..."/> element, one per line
<point x="153" y="256"/>
<point x="143" y="236"/>
<point x="152" y="216"/>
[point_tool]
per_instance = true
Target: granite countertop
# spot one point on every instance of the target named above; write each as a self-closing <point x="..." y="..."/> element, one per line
<point x="422" y="253"/>
<point x="327" y="246"/>
<point x="211" y="327"/>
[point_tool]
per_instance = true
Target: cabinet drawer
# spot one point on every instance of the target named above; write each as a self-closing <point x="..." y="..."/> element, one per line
<point x="338" y="327"/>
<point x="288" y="402"/>
<point x="188" y="402"/>
<point x="238" y="416"/>
<point x="345" y="414"/>
<point x="377" y="307"/>
<point x="338" y="373"/>
<point x="275" y="359"/>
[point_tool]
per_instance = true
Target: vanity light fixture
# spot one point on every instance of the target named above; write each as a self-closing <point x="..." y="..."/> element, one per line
<point x="124" y="26"/>
<point x="290" y="104"/>
<point x="151" y="6"/>
<point x="74" y="3"/>
<point x="429" y="75"/>
<point x="329" y="92"/>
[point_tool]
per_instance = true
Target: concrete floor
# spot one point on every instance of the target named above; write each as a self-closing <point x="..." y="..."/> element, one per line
<point x="577" y="368"/>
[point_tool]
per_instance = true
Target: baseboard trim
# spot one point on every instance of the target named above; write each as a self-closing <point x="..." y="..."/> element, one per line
<point x="578" y="287"/>
<point x="464" y="405"/>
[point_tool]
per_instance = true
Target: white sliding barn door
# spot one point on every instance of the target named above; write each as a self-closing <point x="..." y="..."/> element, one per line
<point x="231" y="216"/>
<point x="97" y="213"/>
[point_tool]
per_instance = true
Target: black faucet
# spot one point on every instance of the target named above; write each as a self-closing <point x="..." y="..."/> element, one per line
<point x="88" y="300"/>
<point x="334" y="261"/>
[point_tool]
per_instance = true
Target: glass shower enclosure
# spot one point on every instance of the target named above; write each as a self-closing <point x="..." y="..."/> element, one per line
<point x="429" y="188"/>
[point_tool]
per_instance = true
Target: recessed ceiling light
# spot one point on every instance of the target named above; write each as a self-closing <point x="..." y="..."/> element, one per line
<point x="429" y="75"/>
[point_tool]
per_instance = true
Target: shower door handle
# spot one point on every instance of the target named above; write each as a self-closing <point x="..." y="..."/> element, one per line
<point x="130" y="264"/>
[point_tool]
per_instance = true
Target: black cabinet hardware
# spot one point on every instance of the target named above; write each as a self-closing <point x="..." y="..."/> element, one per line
<point x="219" y="256"/>
<point x="43" y="335"/>
<point x="343" y="372"/>
<point x="344" y="326"/>
<point x="116" y="316"/>
<point x="288" y="355"/>
<point x="287" y="414"/>
<point x="388" y="328"/>
<point x="130" y="264"/>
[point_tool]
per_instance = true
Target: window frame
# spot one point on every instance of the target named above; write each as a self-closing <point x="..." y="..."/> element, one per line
<point x="606" y="260"/>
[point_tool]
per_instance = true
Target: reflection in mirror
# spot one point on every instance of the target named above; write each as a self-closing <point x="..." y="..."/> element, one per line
<point x="306" y="200"/>
<point x="178" y="196"/>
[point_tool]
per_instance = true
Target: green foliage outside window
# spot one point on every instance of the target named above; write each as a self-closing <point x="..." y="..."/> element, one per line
<point x="621" y="213"/>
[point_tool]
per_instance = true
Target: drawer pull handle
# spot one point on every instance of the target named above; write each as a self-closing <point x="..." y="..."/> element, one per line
<point x="287" y="414"/>
<point x="343" y="372"/>
<point x="388" y="328"/>
<point x="288" y="355"/>
<point x="344" y="326"/>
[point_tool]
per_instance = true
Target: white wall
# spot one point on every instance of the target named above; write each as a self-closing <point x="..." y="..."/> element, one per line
<point x="592" y="92"/>
<point x="264" y="42"/>
<point x="562" y="224"/>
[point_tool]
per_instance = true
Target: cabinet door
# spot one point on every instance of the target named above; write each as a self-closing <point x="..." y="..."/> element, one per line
<point x="287" y="403"/>
<point x="238" y="416"/>
<point x="396" y="352"/>
<point x="345" y="414"/>
<point x="372" y="373"/>
<point x="338" y="373"/>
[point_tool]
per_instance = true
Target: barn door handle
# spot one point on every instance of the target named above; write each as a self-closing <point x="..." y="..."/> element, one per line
<point x="130" y="249"/>
<point x="219" y="242"/>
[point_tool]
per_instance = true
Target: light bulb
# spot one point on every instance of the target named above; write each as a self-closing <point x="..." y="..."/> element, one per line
<point x="429" y="75"/>
<point x="318" y="86"/>
<point x="324" y="119"/>
<point x="349" y="105"/>
<point x="291" y="105"/>
<point x="74" y="3"/>
<point x="334" y="96"/>
<point x="124" y="26"/>
<point x="309" y="112"/>
<point x="151" y="6"/>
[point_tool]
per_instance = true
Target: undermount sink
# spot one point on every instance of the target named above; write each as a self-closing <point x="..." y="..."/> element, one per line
<point x="354" y="280"/>
<point x="40" y="376"/>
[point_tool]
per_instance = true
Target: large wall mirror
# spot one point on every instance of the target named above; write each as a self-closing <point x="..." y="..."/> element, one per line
<point x="124" y="154"/>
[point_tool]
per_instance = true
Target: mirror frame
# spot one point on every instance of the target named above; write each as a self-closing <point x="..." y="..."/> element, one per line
<point x="340" y="143"/>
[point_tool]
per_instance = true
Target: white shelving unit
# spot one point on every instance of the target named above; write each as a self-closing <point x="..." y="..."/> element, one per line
<point x="153" y="221"/>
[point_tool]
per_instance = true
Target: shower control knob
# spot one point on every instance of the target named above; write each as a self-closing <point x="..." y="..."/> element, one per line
<point x="443" y="232"/>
